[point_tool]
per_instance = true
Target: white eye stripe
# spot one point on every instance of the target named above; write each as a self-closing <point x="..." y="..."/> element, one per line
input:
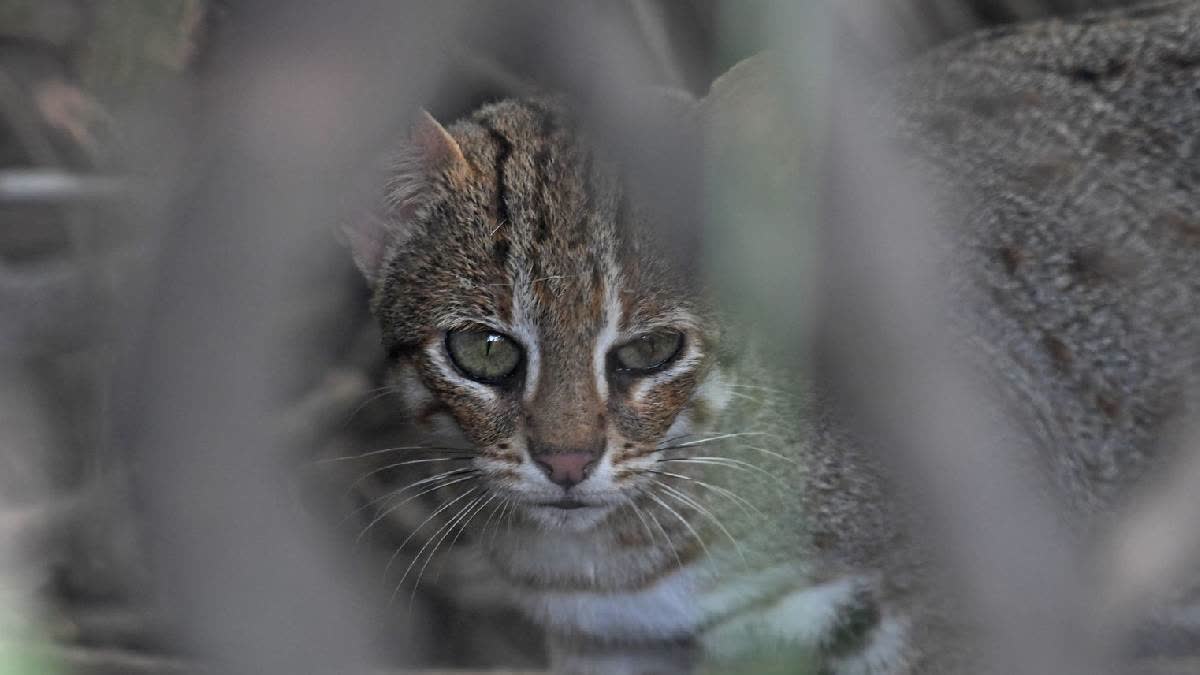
<point x="437" y="355"/>
<point x="687" y="361"/>
<point x="524" y="330"/>
<point x="606" y="339"/>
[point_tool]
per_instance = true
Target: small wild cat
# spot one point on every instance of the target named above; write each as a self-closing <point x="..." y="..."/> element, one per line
<point x="634" y="477"/>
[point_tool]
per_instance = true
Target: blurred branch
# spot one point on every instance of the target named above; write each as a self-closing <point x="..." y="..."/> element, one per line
<point x="302" y="97"/>
<point x="652" y="24"/>
<point x="56" y="186"/>
<point x="1155" y="548"/>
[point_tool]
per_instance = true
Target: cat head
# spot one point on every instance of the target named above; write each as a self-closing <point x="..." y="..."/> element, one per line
<point x="527" y="305"/>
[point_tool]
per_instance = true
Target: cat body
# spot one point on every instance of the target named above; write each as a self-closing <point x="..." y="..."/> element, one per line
<point x="1070" y="149"/>
<point x="513" y="227"/>
<point x="608" y="456"/>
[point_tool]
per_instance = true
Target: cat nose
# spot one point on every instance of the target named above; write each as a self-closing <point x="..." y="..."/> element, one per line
<point x="566" y="468"/>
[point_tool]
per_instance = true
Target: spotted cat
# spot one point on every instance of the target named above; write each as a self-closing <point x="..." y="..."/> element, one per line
<point x="629" y="471"/>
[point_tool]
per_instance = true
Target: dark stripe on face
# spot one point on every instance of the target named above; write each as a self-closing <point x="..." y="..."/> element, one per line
<point x="503" y="150"/>
<point x="541" y="163"/>
<point x="547" y="125"/>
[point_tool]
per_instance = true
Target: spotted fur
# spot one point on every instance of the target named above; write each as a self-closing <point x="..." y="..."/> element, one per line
<point x="728" y="507"/>
<point x="510" y="220"/>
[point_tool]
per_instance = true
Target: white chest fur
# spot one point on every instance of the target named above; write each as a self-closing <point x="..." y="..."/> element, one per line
<point x="691" y="602"/>
<point x="668" y="608"/>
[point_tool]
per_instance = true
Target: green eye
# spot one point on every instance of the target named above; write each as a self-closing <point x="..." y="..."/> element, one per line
<point x="483" y="355"/>
<point x="648" y="352"/>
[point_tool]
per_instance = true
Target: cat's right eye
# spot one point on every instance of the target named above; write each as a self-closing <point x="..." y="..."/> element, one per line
<point x="648" y="352"/>
<point x="484" y="356"/>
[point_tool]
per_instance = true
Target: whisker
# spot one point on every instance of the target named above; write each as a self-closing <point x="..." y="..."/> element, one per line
<point x="503" y="510"/>
<point x="401" y="448"/>
<point x="443" y="530"/>
<point x="393" y="465"/>
<point x="672" y="439"/>
<point x="693" y="434"/>
<point x="391" y="509"/>
<point x="699" y="508"/>
<point x="387" y="568"/>
<point x="645" y="525"/>
<point x="726" y="462"/>
<point x="719" y="437"/>
<point x="454" y="541"/>
<point x="666" y="535"/>
<point x="770" y="453"/>
<point x="743" y="395"/>
<point x="383" y="391"/>
<point x="686" y="524"/>
<point x="741" y="501"/>
<point x="499" y="507"/>
<point x="392" y="494"/>
<point x="759" y="387"/>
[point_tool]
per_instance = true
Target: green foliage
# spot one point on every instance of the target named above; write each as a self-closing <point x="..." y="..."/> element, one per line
<point x="769" y="661"/>
<point x="21" y="658"/>
<point x="54" y="22"/>
<point x="138" y="42"/>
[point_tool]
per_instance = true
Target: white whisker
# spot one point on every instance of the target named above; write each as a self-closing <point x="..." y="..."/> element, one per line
<point x="444" y="530"/>
<point x="698" y="507"/>
<point x="685" y="523"/>
<point x="666" y="535"/>
<point x="770" y="453"/>
<point x="747" y="397"/>
<point x="713" y="439"/>
<point x="645" y="525"/>
<point x="378" y="393"/>
<point x="393" y="465"/>
<point x="741" y="501"/>
<point x="474" y="473"/>
<point x="726" y="462"/>
<point x="453" y="542"/>
<point x="508" y="504"/>
<point x="392" y="494"/>
<point x="427" y="448"/>
<point x="463" y="529"/>
<point x="425" y="522"/>
<point x="498" y="509"/>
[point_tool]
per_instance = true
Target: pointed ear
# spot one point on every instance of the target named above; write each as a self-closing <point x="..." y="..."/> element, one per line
<point x="429" y="150"/>
<point x="367" y="238"/>
<point x="437" y="148"/>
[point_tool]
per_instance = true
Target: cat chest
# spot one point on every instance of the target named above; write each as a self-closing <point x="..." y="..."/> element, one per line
<point x="690" y="603"/>
<point x="665" y="609"/>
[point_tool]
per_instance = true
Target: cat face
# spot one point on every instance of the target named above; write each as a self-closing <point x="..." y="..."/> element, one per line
<point x="528" y="312"/>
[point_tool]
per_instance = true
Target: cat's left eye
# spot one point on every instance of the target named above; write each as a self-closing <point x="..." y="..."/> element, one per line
<point x="648" y="352"/>
<point x="483" y="355"/>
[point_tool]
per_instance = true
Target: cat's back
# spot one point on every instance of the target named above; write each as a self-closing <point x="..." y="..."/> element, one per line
<point x="1069" y="153"/>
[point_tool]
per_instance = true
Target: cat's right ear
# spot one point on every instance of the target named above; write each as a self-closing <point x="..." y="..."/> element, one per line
<point x="428" y="151"/>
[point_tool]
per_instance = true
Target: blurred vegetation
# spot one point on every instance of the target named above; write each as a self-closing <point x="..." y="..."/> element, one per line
<point x="64" y="64"/>
<point x="111" y="45"/>
<point x="133" y="42"/>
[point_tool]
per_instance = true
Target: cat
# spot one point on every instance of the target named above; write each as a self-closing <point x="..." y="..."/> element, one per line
<point x="594" y="393"/>
<point x="629" y="470"/>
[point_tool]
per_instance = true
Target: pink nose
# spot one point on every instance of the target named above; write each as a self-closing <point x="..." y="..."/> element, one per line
<point x="566" y="468"/>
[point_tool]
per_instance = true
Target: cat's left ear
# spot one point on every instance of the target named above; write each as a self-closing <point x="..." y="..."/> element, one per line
<point x="428" y="151"/>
